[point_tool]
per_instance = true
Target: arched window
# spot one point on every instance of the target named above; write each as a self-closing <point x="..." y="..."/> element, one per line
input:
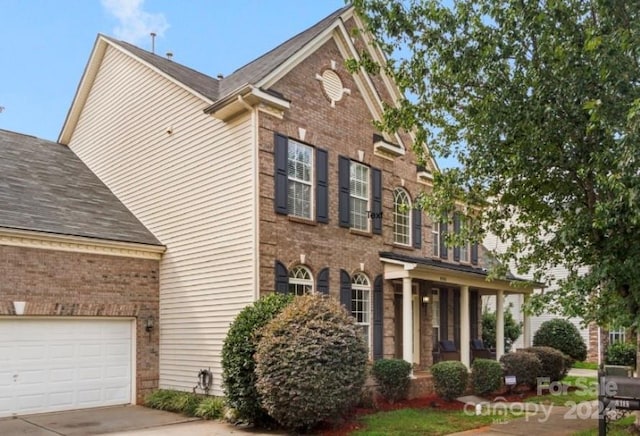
<point x="300" y="280"/>
<point x="361" y="302"/>
<point x="401" y="217"/>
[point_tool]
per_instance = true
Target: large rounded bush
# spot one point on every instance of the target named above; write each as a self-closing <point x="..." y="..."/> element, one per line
<point x="553" y="363"/>
<point x="562" y="335"/>
<point x="621" y="353"/>
<point x="392" y="376"/>
<point x="486" y="376"/>
<point x="450" y="379"/>
<point x="310" y="363"/>
<point x="525" y="366"/>
<point x="238" y="351"/>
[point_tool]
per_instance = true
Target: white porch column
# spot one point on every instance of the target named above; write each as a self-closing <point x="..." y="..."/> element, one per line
<point x="526" y="325"/>
<point x="465" y="327"/>
<point x="407" y="321"/>
<point x="499" y="324"/>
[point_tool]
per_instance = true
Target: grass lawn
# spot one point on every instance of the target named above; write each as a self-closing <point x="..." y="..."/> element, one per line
<point x="615" y="428"/>
<point x="585" y="365"/>
<point x="421" y="421"/>
<point x="587" y="391"/>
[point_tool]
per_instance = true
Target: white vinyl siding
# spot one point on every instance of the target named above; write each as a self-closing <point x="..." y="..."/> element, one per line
<point x="359" y="191"/>
<point x="193" y="188"/>
<point x="300" y="174"/>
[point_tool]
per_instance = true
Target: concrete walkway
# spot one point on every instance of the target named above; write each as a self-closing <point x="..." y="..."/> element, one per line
<point x="539" y="419"/>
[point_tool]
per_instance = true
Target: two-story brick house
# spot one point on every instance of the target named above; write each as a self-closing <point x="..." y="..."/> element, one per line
<point x="274" y="179"/>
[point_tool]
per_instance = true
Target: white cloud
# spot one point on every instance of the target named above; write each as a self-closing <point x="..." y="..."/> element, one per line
<point x="135" y="24"/>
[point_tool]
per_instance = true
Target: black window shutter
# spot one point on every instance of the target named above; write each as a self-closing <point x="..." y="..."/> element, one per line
<point x="322" y="186"/>
<point x="444" y="314"/>
<point x="282" y="279"/>
<point x="378" y="307"/>
<point x="344" y="176"/>
<point x="345" y="290"/>
<point x="474" y="302"/>
<point x="474" y="254"/>
<point x="456" y="230"/>
<point x="281" y="193"/>
<point x="416" y="219"/>
<point x="376" y="203"/>
<point x="323" y="281"/>
<point x="444" y="254"/>
<point x="456" y="318"/>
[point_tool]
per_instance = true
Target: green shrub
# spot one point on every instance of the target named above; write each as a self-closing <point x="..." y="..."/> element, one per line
<point x="524" y="365"/>
<point x="210" y="408"/>
<point x="186" y="403"/>
<point x="310" y="363"/>
<point x="512" y="330"/>
<point x="450" y="379"/>
<point x="553" y="362"/>
<point x="392" y="376"/>
<point x="486" y="376"/>
<point x="238" y="365"/>
<point x="621" y="353"/>
<point x="562" y="335"/>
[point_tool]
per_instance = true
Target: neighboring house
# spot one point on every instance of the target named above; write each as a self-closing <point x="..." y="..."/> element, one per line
<point x="591" y="334"/>
<point x="78" y="286"/>
<point x="274" y="179"/>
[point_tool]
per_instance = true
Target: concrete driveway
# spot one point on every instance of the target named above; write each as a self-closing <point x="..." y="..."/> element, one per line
<point x="122" y="420"/>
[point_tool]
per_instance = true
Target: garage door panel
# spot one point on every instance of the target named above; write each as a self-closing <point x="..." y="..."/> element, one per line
<point x="51" y="365"/>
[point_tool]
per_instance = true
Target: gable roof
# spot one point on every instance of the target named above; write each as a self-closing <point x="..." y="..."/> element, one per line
<point x="45" y="187"/>
<point x="251" y="73"/>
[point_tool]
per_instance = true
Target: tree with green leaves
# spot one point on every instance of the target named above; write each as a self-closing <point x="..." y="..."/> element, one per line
<point x="540" y="103"/>
<point x="512" y="329"/>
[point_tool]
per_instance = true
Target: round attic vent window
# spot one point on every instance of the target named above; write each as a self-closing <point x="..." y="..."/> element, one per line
<point x="332" y="85"/>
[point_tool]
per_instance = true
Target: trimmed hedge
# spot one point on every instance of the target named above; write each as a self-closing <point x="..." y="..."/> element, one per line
<point x="553" y="362"/>
<point x="310" y="363"/>
<point x="187" y="403"/>
<point x="562" y="335"/>
<point x="392" y="376"/>
<point x="238" y="365"/>
<point x="450" y="379"/>
<point x="486" y="376"/>
<point x="621" y="353"/>
<point x="524" y="365"/>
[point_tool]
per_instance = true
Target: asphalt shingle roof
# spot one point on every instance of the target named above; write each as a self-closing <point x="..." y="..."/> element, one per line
<point x="45" y="187"/>
<point x="251" y="73"/>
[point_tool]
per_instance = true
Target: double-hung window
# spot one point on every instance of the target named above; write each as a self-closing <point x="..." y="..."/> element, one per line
<point x="359" y="196"/>
<point x="301" y="185"/>
<point x="300" y="178"/>
<point x="359" y="193"/>
<point x="361" y="303"/>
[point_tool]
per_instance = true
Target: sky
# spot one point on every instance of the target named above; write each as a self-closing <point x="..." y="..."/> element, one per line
<point x="45" y="44"/>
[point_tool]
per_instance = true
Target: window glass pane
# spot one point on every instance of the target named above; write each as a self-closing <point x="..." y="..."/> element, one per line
<point x="361" y="302"/>
<point x="300" y="281"/>
<point x="401" y="220"/>
<point x="300" y="172"/>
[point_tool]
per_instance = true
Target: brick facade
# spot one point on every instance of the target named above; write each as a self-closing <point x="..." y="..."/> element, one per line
<point x="67" y="284"/>
<point x="343" y="130"/>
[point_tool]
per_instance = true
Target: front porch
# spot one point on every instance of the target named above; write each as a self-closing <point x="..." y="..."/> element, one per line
<point x="436" y="301"/>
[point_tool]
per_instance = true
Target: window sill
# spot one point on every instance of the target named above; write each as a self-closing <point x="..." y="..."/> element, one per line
<point x="306" y="221"/>
<point x="403" y="247"/>
<point x="360" y="233"/>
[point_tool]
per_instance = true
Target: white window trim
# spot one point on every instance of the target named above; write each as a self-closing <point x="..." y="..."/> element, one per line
<point x="364" y="288"/>
<point x="396" y="192"/>
<point x="293" y="280"/>
<point x="367" y="199"/>
<point x="310" y="183"/>
<point x="435" y="233"/>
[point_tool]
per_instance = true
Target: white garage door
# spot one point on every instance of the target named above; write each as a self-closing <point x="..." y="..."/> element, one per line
<point x="49" y="365"/>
